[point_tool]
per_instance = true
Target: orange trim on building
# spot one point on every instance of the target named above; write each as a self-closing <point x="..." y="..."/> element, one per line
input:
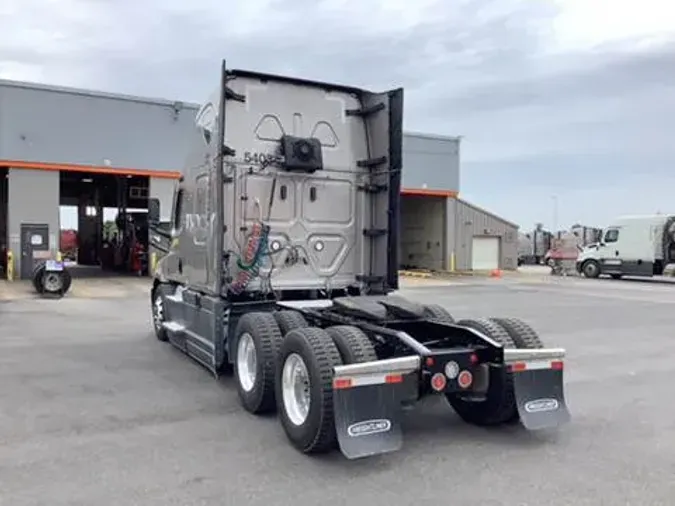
<point x="99" y="169"/>
<point x="422" y="192"/>
<point x="170" y="174"/>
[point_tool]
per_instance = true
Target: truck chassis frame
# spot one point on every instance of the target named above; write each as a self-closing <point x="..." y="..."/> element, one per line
<point x="380" y="355"/>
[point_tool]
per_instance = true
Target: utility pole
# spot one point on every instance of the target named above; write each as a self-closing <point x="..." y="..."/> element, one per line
<point x="555" y="214"/>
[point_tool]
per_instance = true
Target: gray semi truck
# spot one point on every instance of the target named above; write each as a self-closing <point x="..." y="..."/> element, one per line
<point x="281" y="266"/>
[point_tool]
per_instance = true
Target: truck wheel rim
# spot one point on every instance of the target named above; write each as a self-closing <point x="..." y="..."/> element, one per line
<point x="247" y="362"/>
<point x="158" y="315"/>
<point x="295" y="389"/>
<point x="52" y="283"/>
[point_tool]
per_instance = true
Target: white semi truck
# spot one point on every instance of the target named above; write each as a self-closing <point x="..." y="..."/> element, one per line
<point x="631" y="246"/>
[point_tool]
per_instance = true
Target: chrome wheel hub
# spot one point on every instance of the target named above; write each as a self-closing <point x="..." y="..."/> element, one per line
<point x="295" y="389"/>
<point x="247" y="362"/>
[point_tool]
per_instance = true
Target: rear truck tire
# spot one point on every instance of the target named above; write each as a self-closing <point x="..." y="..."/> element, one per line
<point x="258" y="340"/>
<point x="158" y="310"/>
<point x="590" y="269"/>
<point x="304" y="389"/>
<point x="523" y="336"/>
<point x="438" y="313"/>
<point x="289" y="320"/>
<point x="352" y="344"/>
<point x="498" y="405"/>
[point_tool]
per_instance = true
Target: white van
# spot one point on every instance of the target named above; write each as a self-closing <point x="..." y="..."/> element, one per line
<point x="632" y="246"/>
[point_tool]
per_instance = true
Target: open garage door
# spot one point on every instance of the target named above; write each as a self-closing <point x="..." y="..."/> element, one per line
<point x="485" y="253"/>
<point x="423" y="231"/>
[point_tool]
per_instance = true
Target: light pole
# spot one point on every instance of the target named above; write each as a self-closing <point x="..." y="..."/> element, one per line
<point x="555" y="214"/>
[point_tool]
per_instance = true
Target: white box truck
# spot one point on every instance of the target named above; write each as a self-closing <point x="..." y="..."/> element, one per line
<point x="631" y="246"/>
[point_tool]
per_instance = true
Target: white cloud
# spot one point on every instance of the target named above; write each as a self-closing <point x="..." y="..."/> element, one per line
<point x="551" y="95"/>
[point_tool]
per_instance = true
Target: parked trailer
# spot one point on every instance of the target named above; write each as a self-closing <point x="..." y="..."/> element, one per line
<point x="282" y="264"/>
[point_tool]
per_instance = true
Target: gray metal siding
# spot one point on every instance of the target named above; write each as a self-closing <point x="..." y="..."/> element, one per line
<point x="467" y="222"/>
<point x="66" y="126"/>
<point x="430" y="162"/>
<point x="61" y="125"/>
<point x="33" y="199"/>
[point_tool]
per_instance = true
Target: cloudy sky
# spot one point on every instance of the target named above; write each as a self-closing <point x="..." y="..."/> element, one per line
<point x="567" y="101"/>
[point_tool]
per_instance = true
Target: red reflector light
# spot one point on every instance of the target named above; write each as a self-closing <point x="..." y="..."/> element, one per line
<point x="465" y="379"/>
<point x="341" y="383"/>
<point x="438" y="381"/>
<point x="429" y="361"/>
<point x="557" y="365"/>
<point x="393" y="378"/>
<point x="473" y="358"/>
<point x="518" y="366"/>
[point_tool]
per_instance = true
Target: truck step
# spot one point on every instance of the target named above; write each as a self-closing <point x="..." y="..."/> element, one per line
<point x="173" y="327"/>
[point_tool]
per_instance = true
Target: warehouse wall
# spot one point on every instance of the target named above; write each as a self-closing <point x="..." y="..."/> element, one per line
<point x="33" y="199"/>
<point x="468" y="221"/>
<point x="430" y="162"/>
<point x="58" y="125"/>
<point x="423" y="232"/>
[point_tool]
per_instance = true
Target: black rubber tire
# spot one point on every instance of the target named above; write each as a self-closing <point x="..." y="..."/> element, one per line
<point x="438" y="313"/>
<point x="39" y="274"/>
<point x="317" y="350"/>
<point x="590" y="269"/>
<point x="352" y="343"/>
<point x="289" y="320"/>
<point x="36" y="277"/>
<point x="161" y="290"/>
<point x="523" y="336"/>
<point x="267" y="338"/>
<point x="616" y="276"/>
<point x="499" y="405"/>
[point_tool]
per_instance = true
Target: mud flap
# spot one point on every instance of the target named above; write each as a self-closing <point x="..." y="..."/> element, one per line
<point x="540" y="398"/>
<point x="367" y="401"/>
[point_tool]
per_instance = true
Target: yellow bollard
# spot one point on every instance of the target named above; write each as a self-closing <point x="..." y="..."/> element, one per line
<point x="10" y="265"/>
<point x="452" y="262"/>
<point x="59" y="257"/>
<point x="153" y="262"/>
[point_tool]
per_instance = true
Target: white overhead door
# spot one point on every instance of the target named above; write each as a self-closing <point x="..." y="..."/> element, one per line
<point x="485" y="253"/>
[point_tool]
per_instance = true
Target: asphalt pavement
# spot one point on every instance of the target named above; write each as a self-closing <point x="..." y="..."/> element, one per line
<point x="94" y="410"/>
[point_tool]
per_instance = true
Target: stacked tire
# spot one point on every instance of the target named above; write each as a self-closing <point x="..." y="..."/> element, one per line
<point x="283" y="364"/>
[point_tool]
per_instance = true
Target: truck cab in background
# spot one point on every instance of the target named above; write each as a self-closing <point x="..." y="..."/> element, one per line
<point x="631" y="246"/>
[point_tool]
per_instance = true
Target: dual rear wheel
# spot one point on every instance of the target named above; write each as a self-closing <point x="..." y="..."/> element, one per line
<point x="282" y="364"/>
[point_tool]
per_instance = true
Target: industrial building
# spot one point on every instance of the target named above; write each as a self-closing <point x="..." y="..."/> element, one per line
<point x="95" y="152"/>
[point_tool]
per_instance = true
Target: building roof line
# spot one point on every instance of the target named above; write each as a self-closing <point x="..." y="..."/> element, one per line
<point x="97" y="94"/>
<point x="435" y="137"/>
<point x="488" y="213"/>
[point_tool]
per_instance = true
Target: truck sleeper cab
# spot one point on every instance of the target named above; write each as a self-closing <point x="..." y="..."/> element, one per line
<point x="632" y="246"/>
<point x="282" y="263"/>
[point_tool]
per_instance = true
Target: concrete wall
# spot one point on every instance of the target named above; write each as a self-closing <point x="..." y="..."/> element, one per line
<point x="431" y="162"/>
<point x="467" y="221"/>
<point x="59" y="125"/>
<point x="33" y="199"/>
<point x="423" y="242"/>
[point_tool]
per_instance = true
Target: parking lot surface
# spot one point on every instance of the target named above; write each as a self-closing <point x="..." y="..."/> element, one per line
<point x="95" y="411"/>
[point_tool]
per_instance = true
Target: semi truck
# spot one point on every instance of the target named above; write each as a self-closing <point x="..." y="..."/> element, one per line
<point x="282" y="268"/>
<point x="632" y="246"/>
